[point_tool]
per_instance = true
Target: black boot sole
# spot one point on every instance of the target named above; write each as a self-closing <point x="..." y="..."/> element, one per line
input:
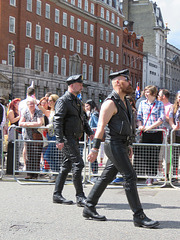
<point x="146" y="226"/>
<point x="61" y="202"/>
<point x="87" y="216"/>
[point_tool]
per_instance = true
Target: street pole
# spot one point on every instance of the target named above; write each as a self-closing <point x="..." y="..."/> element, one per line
<point x="12" y="79"/>
<point x="165" y="57"/>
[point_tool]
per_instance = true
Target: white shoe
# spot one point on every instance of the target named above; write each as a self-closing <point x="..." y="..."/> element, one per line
<point x="149" y="182"/>
<point x="155" y="181"/>
<point x="24" y="168"/>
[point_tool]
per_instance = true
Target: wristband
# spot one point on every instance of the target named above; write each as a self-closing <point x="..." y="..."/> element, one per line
<point x="96" y="143"/>
<point x="94" y="151"/>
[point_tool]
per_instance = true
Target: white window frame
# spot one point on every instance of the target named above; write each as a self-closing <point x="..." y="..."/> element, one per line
<point x="38" y="32"/>
<point x="79" y="3"/>
<point x="64" y="41"/>
<point x="86" y="5"/>
<point x="112" y="38"/>
<point x="84" y="48"/>
<point x="47" y="35"/>
<point x="38" y="7"/>
<point x="57" y="15"/>
<point x="72" y="22"/>
<point x="91" y="50"/>
<point x="29" y="5"/>
<point x="12" y="3"/>
<point x="47" y="11"/>
<point x="112" y="18"/>
<point x="107" y="36"/>
<point x="78" y="46"/>
<point x="56" y="65"/>
<point x="106" y="55"/>
<point x="101" y="34"/>
<point x="64" y="19"/>
<point x="100" y="75"/>
<point x="73" y="2"/>
<point x="117" y="41"/>
<point x="56" y="39"/>
<point x="118" y="21"/>
<point x="91" y="73"/>
<point x="71" y="44"/>
<point x="92" y="8"/>
<point x="112" y="57"/>
<point x="46" y="63"/>
<point x="102" y="12"/>
<point x="38" y="57"/>
<point x="79" y="25"/>
<point x="85" y="28"/>
<point x="12" y="22"/>
<point x="117" y="59"/>
<point x="27" y="63"/>
<point x="100" y="53"/>
<point x="63" y="66"/>
<point x="91" y="30"/>
<point x="107" y="15"/>
<point x="11" y="48"/>
<point x="28" y="29"/>
<point x="84" y="71"/>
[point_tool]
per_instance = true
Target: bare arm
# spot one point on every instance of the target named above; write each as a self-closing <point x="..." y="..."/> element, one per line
<point x="23" y="123"/>
<point x="11" y="117"/>
<point x="44" y="111"/>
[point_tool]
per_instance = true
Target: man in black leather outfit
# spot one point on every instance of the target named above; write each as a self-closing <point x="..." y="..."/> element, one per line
<point x="116" y="115"/>
<point x="69" y="125"/>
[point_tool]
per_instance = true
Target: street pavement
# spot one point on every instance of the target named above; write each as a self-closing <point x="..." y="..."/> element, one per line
<point x="27" y="212"/>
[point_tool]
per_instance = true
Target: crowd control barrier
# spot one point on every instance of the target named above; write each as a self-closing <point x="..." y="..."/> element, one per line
<point x="1" y="153"/>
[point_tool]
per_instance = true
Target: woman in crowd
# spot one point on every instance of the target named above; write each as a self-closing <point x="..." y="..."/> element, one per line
<point x="151" y="115"/>
<point x="13" y="117"/>
<point x="31" y="119"/>
<point x="174" y="121"/>
<point x="92" y="112"/>
<point x="51" y="153"/>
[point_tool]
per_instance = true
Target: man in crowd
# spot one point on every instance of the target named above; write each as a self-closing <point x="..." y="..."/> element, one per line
<point x="116" y="115"/>
<point x="69" y="125"/>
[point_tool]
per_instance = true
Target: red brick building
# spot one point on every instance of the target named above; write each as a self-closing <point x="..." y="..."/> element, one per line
<point x="53" y="39"/>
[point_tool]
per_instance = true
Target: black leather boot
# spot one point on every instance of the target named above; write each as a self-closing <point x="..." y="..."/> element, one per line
<point x="141" y="220"/>
<point x="90" y="212"/>
<point x="81" y="201"/>
<point x="61" y="199"/>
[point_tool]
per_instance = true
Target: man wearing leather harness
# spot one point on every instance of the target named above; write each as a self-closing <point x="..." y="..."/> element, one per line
<point x="69" y="125"/>
<point x="116" y="115"/>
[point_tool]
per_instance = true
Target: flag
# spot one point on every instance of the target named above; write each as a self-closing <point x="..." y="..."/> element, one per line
<point x="79" y="96"/>
<point x="137" y="91"/>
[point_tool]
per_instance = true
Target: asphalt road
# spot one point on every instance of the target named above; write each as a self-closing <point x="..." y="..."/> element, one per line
<point x="27" y="212"/>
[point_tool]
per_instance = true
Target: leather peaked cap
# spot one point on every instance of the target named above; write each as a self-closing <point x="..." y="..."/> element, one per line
<point x="124" y="73"/>
<point x="74" y="79"/>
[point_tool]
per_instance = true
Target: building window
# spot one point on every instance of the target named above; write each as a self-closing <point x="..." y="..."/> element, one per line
<point x="46" y="62"/>
<point x="106" y="75"/>
<point x="47" y="35"/>
<point x="72" y="22"/>
<point x="91" y="50"/>
<point x="112" y="18"/>
<point x="101" y="33"/>
<point x="117" y="59"/>
<point x="78" y="46"/>
<point x="63" y="67"/>
<point x="37" y="65"/>
<point x="73" y="2"/>
<point x="84" y="71"/>
<point x="38" y="7"/>
<point x="92" y="8"/>
<point x="71" y="45"/>
<point x="92" y="30"/>
<point x="12" y="24"/>
<point x="86" y="5"/>
<point x="56" y="15"/>
<point x="29" y="5"/>
<point x="47" y="11"/>
<point x="100" y="74"/>
<point x="64" y="19"/>
<point x="118" y="21"/>
<point x="107" y="15"/>
<point x="85" y="48"/>
<point x="112" y="38"/>
<point x="132" y="60"/>
<point x="13" y="3"/>
<point x="107" y="55"/>
<point x="124" y="58"/>
<point x="79" y="3"/>
<point x="102" y="12"/>
<point x="85" y="28"/>
<point x="55" y="65"/>
<point x="91" y="73"/>
<point x="28" y="29"/>
<point x="100" y="53"/>
<point x="38" y="32"/>
<point x="117" y="41"/>
<point x="28" y="58"/>
<point x="112" y="57"/>
<point x="11" y="48"/>
<point x="64" y="41"/>
<point x="79" y="25"/>
<point x="107" y="36"/>
<point x="56" y="39"/>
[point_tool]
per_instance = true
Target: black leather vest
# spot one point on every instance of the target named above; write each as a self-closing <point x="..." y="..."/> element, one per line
<point x="121" y="124"/>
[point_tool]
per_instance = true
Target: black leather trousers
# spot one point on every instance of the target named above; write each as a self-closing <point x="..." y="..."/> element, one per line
<point x="118" y="161"/>
<point x="71" y="160"/>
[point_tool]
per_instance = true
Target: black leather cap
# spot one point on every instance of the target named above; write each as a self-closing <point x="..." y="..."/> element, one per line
<point x="124" y="73"/>
<point x="74" y="79"/>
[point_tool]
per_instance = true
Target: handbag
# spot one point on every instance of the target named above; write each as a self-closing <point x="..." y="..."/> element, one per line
<point x="37" y="136"/>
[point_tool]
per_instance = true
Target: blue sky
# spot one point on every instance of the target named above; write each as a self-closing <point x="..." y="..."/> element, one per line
<point x="170" y="10"/>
